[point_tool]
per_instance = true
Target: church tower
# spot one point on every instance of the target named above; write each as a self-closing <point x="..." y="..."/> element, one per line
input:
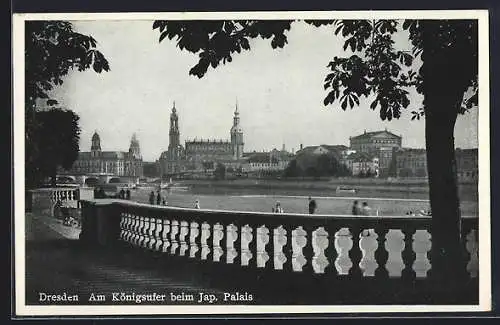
<point x="174" y="133"/>
<point x="135" y="149"/>
<point x="237" y="136"/>
<point x="95" y="148"/>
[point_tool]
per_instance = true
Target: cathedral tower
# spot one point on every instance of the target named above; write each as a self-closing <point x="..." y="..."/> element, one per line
<point x="95" y="148"/>
<point x="237" y="135"/>
<point x="135" y="149"/>
<point x="174" y="133"/>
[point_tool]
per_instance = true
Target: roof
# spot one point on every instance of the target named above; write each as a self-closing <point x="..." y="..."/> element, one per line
<point x="328" y="147"/>
<point x="260" y="157"/>
<point x="103" y="155"/>
<point x="207" y="141"/>
<point x="412" y="150"/>
<point x="360" y="156"/>
<point x="376" y="134"/>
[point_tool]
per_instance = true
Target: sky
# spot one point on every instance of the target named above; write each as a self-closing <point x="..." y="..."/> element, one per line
<point x="279" y="94"/>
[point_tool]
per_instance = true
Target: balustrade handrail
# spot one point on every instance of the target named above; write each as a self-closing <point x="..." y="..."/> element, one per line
<point x="257" y="217"/>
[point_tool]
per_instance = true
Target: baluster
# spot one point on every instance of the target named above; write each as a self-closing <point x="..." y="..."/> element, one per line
<point x="343" y="244"/>
<point x="184" y="230"/>
<point x="472" y="246"/>
<point x="246" y="239"/>
<point x="381" y="254"/>
<point x="421" y="246"/>
<point x="262" y="239"/>
<point x="138" y="228"/>
<point x="205" y="235"/>
<point x="145" y="233"/>
<point x="158" y="235"/>
<point x="151" y="233"/>
<point x="408" y="275"/>
<point x="355" y="253"/>
<point x="123" y="220"/>
<point x="130" y="229"/>
<point x="193" y="234"/>
<point x="331" y="251"/>
<point x="319" y="241"/>
<point x="299" y="241"/>
<point x="174" y="244"/>
<point x="231" y="237"/>
<point x="218" y="235"/>
<point x="279" y="242"/>
<point x="135" y="227"/>
<point x="394" y="244"/>
<point x="164" y="235"/>
<point x="368" y="244"/>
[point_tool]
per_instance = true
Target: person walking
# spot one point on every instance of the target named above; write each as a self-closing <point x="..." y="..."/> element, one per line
<point x="197" y="204"/>
<point x="152" y="197"/>
<point x="278" y="208"/>
<point x="158" y="198"/>
<point x="312" y="206"/>
<point x="122" y="194"/>
<point x="356" y="209"/>
<point x="127" y="194"/>
<point x="366" y="210"/>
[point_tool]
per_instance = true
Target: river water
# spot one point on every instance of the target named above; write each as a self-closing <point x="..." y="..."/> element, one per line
<point x="292" y="202"/>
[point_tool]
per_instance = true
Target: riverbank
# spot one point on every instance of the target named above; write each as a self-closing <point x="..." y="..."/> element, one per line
<point x="399" y="189"/>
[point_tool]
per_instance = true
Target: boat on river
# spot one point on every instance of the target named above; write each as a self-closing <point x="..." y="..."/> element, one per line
<point x="345" y="189"/>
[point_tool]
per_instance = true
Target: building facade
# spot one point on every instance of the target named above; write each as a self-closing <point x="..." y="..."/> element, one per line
<point x="411" y="162"/>
<point x="382" y="144"/>
<point x="119" y="163"/>
<point x="362" y="164"/>
<point x="201" y="154"/>
<point x="271" y="161"/>
<point x="467" y="165"/>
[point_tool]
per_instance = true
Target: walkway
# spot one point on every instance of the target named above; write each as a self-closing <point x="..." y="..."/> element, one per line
<point x="57" y="263"/>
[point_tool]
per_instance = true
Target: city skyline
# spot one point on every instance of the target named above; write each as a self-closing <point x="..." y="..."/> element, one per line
<point x="279" y="93"/>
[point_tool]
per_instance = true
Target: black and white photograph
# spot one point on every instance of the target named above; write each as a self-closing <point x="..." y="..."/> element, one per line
<point x="251" y="162"/>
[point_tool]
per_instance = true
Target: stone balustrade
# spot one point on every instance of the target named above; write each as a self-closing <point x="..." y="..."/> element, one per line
<point x="296" y="248"/>
<point x="43" y="200"/>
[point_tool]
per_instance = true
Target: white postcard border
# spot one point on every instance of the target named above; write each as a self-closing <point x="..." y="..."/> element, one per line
<point x="21" y="309"/>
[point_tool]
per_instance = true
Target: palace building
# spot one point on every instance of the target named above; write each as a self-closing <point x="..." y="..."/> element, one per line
<point x="200" y="154"/>
<point x="381" y="144"/>
<point x="119" y="163"/>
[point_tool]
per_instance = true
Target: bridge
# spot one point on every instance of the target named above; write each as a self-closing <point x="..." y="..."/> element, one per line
<point x="92" y="179"/>
<point x="277" y="258"/>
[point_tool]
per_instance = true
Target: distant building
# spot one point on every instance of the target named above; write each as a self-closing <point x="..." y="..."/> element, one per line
<point x="411" y="162"/>
<point x="362" y="163"/>
<point x="467" y="164"/>
<point x="202" y="155"/>
<point x="119" y="163"/>
<point x="379" y="143"/>
<point x="274" y="160"/>
<point x="307" y="157"/>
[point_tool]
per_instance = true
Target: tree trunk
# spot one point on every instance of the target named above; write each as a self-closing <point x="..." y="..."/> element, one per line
<point x="443" y="86"/>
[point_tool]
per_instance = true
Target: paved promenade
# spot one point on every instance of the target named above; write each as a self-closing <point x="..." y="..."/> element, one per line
<point x="57" y="263"/>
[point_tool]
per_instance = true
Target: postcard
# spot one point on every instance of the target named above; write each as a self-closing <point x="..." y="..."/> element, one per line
<point x="238" y="163"/>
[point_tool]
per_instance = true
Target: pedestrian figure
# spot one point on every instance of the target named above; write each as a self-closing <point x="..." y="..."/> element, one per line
<point x="164" y="202"/>
<point x="312" y="206"/>
<point x="127" y="194"/>
<point x="158" y="198"/>
<point x="152" y="197"/>
<point x="278" y="208"/>
<point x="356" y="209"/>
<point x="197" y="204"/>
<point x="122" y="194"/>
<point x="366" y="209"/>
